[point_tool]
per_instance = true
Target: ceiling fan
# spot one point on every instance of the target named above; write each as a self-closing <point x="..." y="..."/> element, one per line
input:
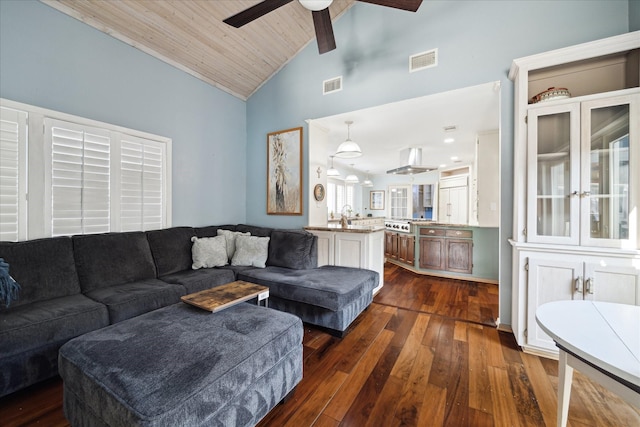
<point x="321" y="18"/>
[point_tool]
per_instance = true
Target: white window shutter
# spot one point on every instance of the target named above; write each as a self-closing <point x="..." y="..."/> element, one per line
<point x="350" y="196"/>
<point x="80" y="178"/>
<point x="13" y="134"/>
<point x="142" y="169"/>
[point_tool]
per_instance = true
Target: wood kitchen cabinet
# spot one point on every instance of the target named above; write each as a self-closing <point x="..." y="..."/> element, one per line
<point x="399" y="246"/>
<point x="446" y="249"/>
<point x="432" y="248"/>
<point x="391" y="244"/>
<point x="406" y="248"/>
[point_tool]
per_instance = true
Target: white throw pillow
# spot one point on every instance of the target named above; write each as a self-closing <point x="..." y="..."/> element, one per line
<point x="230" y="237"/>
<point x="209" y="252"/>
<point x="251" y="251"/>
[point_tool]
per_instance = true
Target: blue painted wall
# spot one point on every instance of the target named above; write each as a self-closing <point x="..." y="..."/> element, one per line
<point x="477" y="41"/>
<point x="634" y="15"/>
<point x="53" y="61"/>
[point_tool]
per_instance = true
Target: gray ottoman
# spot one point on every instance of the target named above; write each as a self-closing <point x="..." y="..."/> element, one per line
<point x="182" y="366"/>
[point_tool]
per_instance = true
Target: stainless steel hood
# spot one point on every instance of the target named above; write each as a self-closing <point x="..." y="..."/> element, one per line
<point x="411" y="163"/>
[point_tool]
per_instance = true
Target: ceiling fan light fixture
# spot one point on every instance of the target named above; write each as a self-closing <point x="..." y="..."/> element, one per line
<point x="348" y="149"/>
<point x="315" y="4"/>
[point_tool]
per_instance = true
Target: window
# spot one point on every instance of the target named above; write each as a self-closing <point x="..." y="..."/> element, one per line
<point x="91" y="177"/>
<point x="80" y="178"/>
<point x="339" y="195"/>
<point x="13" y="146"/>
<point x="400" y="202"/>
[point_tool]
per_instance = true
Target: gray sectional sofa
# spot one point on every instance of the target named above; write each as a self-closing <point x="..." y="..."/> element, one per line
<point x="71" y="286"/>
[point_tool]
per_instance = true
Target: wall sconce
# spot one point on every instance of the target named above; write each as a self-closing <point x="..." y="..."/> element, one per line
<point x="319" y="171"/>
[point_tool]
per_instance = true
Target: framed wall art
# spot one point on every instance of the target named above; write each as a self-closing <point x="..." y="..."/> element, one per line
<point x="284" y="172"/>
<point x="376" y="200"/>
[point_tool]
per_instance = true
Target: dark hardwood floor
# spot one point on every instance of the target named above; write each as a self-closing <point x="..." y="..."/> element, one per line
<point x="425" y="353"/>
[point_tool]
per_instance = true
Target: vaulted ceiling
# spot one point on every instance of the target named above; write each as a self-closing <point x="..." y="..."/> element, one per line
<point x="190" y="35"/>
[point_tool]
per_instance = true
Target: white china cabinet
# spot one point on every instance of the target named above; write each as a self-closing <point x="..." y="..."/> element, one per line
<point x="576" y="180"/>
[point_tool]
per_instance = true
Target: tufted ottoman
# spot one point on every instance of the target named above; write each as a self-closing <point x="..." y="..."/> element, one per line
<point x="182" y="366"/>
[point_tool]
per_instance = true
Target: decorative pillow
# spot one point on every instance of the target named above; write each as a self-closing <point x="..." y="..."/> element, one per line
<point x="292" y="249"/>
<point x="209" y="252"/>
<point x="230" y="237"/>
<point x="251" y="250"/>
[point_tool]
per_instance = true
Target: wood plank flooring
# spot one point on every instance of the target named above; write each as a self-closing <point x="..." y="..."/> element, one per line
<point x="425" y="353"/>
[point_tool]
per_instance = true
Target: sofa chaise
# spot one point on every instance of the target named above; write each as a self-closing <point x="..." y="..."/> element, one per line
<point x="74" y="285"/>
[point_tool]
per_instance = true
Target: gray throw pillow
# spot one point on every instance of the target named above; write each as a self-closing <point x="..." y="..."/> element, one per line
<point x="251" y="251"/>
<point x="209" y="252"/>
<point x="230" y="237"/>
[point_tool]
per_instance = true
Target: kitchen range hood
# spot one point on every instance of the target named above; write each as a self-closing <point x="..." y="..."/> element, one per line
<point x="411" y="163"/>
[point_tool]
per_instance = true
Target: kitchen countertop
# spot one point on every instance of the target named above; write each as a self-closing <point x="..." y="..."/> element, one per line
<point x="348" y="229"/>
<point x="426" y="223"/>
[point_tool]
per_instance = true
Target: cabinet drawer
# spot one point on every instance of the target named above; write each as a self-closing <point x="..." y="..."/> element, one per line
<point x="432" y="232"/>
<point x="460" y="234"/>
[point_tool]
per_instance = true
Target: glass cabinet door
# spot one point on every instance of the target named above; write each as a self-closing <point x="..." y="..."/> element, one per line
<point x="608" y="141"/>
<point x="553" y="179"/>
<point x="399" y="203"/>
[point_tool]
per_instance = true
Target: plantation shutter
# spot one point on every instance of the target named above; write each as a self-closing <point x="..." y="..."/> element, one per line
<point x="80" y="178"/>
<point x="350" y="196"/>
<point x="13" y="134"/>
<point x="142" y="167"/>
<point x="331" y="198"/>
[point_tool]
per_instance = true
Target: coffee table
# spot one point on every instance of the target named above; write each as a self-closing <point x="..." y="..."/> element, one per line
<point x="221" y="297"/>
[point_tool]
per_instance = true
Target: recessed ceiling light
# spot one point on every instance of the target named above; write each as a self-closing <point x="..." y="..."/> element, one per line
<point x="443" y="165"/>
<point x="454" y="158"/>
<point x="449" y="140"/>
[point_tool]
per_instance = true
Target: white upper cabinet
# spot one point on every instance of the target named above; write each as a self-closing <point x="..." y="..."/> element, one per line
<point x="553" y="180"/>
<point x="610" y="176"/>
<point x="582" y="183"/>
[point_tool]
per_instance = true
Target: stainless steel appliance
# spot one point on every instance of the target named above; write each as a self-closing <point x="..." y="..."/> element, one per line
<point x="401" y="225"/>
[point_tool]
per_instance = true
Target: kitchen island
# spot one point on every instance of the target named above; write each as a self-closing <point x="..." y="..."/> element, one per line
<point x="456" y="251"/>
<point x="359" y="246"/>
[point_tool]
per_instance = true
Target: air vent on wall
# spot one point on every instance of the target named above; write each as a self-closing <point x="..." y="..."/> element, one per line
<point x="424" y="60"/>
<point x="332" y="85"/>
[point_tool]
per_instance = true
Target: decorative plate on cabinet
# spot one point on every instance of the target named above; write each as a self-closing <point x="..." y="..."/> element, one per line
<point x="551" y="94"/>
<point x="318" y="192"/>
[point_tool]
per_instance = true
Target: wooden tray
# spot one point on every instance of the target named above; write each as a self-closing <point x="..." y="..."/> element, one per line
<point x="221" y="297"/>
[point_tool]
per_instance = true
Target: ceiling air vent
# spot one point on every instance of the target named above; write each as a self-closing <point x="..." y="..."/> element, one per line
<point x="332" y="85"/>
<point x="421" y="61"/>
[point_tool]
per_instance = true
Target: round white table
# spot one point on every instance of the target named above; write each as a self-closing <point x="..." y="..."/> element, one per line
<point x="600" y="339"/>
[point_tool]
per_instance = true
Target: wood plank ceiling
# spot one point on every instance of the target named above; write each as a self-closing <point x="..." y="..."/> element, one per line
<point x="190" y="35"/>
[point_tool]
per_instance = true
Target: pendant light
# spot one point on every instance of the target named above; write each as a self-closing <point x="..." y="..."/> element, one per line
<point x="351" y="178"/>
<point x="348" y="149"/>
<point x="332" y="171"/>
<point x="367" y="182"/>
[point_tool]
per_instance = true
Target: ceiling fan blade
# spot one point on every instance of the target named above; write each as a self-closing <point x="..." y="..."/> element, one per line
<point x="324" y="30"/>
<point x="254" y="12"/>
<point x="410" y="5"/>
